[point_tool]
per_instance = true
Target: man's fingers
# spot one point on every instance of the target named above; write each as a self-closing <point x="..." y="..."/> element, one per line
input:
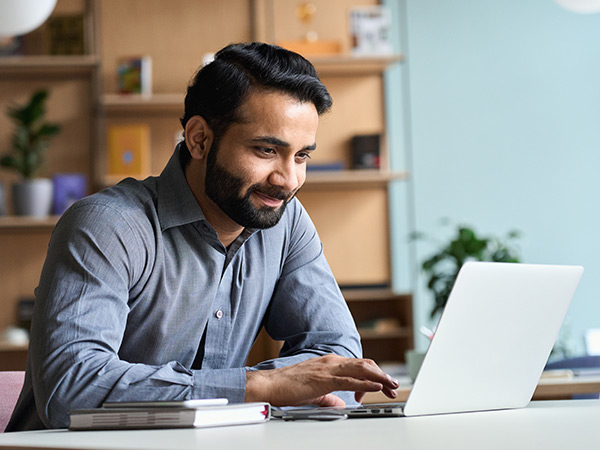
<point x="329" y="400"/>
<point x="367" y="369"/>
<point x="358" y="396"/>
<point x="390" y="393"/>
<point x="354" y="384"/>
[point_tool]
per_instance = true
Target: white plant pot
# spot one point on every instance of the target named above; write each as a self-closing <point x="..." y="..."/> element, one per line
<point x="33" y="197"/>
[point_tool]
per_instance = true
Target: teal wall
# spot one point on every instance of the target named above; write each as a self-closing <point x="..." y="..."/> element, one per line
<point x="496" y="113"/>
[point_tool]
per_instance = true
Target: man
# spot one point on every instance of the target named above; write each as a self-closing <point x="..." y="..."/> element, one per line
<point x="156" y="290"/>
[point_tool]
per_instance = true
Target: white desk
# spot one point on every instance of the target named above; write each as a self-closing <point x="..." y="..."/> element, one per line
<point x="548" y="425"/>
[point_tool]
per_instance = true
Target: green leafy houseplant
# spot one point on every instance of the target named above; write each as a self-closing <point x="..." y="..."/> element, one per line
<point x="31" y="136"/>
<point x="442" y="267"/>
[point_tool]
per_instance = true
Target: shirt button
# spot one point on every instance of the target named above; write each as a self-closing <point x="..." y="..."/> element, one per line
<point x="205" y="227"/>
<point x="219" y="314"/>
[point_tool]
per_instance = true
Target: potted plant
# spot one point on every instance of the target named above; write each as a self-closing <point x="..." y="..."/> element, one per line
<point x="30" y="139"/>
<point x="442" y="267"/>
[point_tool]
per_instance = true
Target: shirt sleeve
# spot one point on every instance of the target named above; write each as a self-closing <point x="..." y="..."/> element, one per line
<point x="308" y="311"/>
<point x="96" y="256"/>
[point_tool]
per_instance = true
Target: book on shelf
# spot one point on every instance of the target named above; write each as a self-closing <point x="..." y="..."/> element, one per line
<point x="128" y="151"/>
<point x="134" y="75"/>
<point x="326" y="167"/>
<point x="166" y="416"/>
<point x="67" y="35"/>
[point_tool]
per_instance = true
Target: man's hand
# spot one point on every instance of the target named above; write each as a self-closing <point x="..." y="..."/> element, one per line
<point x="312" y="381"/>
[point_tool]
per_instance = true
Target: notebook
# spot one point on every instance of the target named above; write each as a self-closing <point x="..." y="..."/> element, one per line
<point x="491" y="344"/>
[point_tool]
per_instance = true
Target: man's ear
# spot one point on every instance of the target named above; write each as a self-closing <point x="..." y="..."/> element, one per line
<point x="198" y="137"/>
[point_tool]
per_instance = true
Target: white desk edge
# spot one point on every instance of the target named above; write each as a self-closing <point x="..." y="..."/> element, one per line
<point x="550" y="425"/>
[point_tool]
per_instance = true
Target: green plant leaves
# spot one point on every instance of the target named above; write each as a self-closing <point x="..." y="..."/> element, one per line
<point x="442" y="267"/>
<point x="30" y="137"/>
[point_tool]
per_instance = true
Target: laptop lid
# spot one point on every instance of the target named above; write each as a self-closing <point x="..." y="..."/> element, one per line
<point x="494" y="337"/>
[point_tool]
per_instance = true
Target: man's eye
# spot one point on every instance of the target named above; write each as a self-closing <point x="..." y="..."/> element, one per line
<point x="303" y="156"/>
<point x="266" y="150"/>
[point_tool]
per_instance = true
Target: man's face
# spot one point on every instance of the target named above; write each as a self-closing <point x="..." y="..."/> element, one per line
<point x="259" y="163"/>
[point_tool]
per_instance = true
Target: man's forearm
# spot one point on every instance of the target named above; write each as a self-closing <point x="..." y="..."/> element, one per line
<point x="89" y="383"/>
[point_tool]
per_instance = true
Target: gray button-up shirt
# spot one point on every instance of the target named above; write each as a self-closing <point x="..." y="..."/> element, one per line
<point x="139" y="300"/>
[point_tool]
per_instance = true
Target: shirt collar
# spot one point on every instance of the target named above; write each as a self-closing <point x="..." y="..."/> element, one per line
<point x="176" y="202"/>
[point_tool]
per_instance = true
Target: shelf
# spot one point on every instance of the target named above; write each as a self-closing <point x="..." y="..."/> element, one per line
<point x="48" y="65"/>
<point x="348" y="65"/>
<point x="325" y="65"/>
<point x="372" y="295"/>
<point x="135" y="103"/>
<point x="391" y="334"/>
<point x="10" y="347"/>
<point x="351" y="179"/>
<point x="27" y="223"/>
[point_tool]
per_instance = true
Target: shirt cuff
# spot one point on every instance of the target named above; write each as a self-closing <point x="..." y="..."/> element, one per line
<point x="220" y="383"/>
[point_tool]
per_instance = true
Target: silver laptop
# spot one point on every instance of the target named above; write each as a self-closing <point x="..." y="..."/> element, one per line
<point x="491" y="344"/>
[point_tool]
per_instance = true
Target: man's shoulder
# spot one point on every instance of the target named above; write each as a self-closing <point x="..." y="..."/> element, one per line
<point x="130" y="200"/>
<point x="129" y="194"/>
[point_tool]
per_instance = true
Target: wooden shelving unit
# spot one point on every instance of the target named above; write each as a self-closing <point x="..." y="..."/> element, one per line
<point x="10" y="347"/>
<point x="27" y="223"/>
<point x="337" y="65"/>
<point x="384" y="320"/>
<point x="347" y="65"/>
<point x="49" y="65"/>
<point x="356" y="199"/>
<point x="13" y="356"/>
<point x="351" y="179"/>
<point x="400" y="333"/>
<point x="140" y="104"/>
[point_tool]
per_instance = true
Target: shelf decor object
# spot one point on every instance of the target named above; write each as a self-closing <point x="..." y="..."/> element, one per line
<point x="134" y="75"/>
<point x="22" y="16"/>
<point x="365" y="151"/>
<point x="309" y="44"/>
<point x="370" y="27"/>
<point x="67" y="34"/>
<point x="129" y="150"/>
<point x="68" y="188"/>
<point x="31" y="196"/>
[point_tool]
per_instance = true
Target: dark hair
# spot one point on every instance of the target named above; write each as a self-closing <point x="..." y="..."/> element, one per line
<point x="219" y="88"/>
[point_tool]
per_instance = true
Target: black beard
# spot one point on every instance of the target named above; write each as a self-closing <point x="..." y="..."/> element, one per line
<point x="224" y="188"/>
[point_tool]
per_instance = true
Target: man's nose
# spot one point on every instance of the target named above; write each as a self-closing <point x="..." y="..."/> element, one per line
<point x="285" y="175"/>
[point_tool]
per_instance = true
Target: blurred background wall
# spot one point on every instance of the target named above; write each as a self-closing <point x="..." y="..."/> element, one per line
<point x="500" y="128"/>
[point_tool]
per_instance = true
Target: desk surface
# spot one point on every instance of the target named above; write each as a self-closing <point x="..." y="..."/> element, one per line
<point x="549" y="425"/>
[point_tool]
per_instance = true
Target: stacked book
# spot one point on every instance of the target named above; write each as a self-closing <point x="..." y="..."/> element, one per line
<point x="170" y="414"/>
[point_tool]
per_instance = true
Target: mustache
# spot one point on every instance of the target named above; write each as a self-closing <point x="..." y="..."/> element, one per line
<point x="279" y="194"/>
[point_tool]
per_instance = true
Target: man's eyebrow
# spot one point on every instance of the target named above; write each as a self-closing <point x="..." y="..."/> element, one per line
<point x="279" y="143"/>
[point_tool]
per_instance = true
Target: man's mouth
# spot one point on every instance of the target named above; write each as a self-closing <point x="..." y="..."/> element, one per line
<point x="269" y="201"/>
